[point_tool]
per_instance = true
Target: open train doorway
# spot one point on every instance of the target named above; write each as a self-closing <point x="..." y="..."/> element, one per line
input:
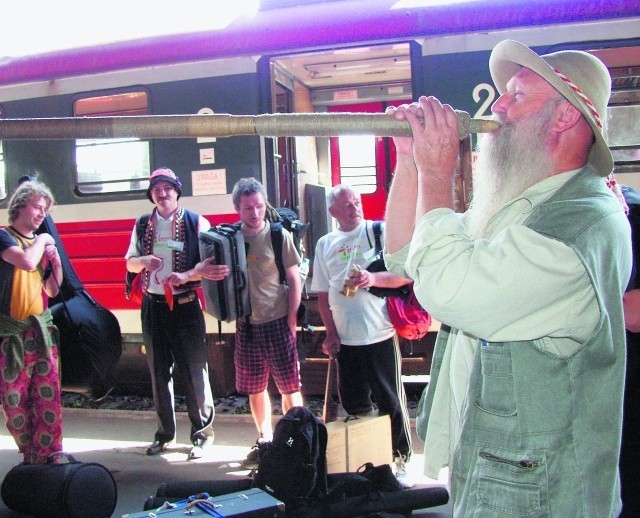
<point x="361" y="79"/>
<point x="365" y="162"/>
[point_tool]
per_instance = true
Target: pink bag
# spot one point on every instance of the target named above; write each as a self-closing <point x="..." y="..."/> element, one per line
<point x="409" y="318"/>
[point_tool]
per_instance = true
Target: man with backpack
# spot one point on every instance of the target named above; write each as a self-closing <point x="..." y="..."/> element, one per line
<point x="265" y="342"/>
<point x="359" y="333"/>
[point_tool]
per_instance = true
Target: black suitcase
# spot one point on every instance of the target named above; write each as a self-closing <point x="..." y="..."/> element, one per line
<point x="227" y="299"/>
<point x="67" y="490"/>
<point x="253" y="503"/>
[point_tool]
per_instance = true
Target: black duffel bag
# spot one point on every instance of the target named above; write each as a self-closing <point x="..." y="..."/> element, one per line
<point x="67" y="490"/>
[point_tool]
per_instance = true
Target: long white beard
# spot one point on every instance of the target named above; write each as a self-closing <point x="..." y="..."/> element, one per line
<point x="508" y="164"/>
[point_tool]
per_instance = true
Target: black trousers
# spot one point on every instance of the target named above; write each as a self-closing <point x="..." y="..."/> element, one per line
<point x="178" y="338"/>
<point x="630" y="448"/>
<point x="375" y="370"/>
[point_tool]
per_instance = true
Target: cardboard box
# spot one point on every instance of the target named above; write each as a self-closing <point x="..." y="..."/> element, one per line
<point x="358" y="441"/>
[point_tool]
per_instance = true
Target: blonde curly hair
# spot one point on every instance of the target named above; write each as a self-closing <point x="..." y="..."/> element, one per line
<point x="25" y="192"/>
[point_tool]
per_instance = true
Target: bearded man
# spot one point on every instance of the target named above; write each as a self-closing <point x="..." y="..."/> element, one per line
<point x="525" y="400"/>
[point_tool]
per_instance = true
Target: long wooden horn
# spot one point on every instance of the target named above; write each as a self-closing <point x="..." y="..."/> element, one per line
<point x="223" y="125"/>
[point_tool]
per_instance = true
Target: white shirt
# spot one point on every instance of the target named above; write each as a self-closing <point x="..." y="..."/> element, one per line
<point x="163" y="246"/>
<point x="362" y="319"/>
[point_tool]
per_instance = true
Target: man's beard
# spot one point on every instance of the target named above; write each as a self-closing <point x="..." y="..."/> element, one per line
<point x="509" y="162"/>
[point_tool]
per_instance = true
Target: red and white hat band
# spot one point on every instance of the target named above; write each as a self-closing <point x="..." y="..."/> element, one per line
<point x="582" y="96"/>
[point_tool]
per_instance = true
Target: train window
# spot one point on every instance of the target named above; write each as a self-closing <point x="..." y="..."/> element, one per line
<point x="112" y="165"/>
<point x="623" y="136"/>
<point x="358" y="163"/>
<point x="623" y="117"/>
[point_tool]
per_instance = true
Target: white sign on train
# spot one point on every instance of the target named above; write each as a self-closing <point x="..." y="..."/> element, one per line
<point x="207" y="156"/>
<point x="209" y="181"/>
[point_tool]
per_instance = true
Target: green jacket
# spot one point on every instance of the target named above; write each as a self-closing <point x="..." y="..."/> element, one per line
<point x="11" y="338"/>
<point x="540" y="433"/>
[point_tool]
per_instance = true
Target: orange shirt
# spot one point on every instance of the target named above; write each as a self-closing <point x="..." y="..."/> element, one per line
<point x="26" y="292"/>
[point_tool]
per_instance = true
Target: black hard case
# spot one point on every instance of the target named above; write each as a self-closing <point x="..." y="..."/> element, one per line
<point x="67" y="490"/>
<point x="227" y="299"/>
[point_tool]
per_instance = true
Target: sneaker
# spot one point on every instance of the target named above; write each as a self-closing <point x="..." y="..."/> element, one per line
<point x="157" y="447"/>
<point x="253" y="457"/>
<point x="400" y="463"/>
<point x="201" y="448"/>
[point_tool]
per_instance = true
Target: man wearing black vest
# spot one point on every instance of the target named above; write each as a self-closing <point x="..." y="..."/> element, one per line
<point x="173" y="325"/>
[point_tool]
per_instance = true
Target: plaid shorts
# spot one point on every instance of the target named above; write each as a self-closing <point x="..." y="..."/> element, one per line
<point x="269" y="348"/>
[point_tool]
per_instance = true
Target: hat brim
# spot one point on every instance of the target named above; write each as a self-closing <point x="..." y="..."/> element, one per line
<point x="509" y="56"/>
<point x="162" y="178"/>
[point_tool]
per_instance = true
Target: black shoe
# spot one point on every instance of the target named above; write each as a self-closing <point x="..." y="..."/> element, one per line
<point x="382" y="477"/>
<point x="157" y="447"/>
<point x="201" y="447"/>
<point x="253" y="457"/>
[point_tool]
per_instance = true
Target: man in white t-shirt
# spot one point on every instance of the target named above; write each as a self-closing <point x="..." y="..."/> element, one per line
<point x="359" y="333"/>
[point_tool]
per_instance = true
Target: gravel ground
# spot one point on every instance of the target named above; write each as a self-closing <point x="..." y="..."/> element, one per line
<point x="235" y="404"/>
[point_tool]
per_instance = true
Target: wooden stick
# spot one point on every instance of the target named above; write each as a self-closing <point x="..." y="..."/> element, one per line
<point x="330" y="407"/>
<point x="222" y="125"/>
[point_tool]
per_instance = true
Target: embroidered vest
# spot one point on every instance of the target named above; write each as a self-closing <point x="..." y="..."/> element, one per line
<point x="185" y="229"/>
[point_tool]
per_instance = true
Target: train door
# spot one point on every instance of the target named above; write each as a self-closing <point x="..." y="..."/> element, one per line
<point x="285" y="154"/>
<point x="280" y="164"/>
<point x="370" y="78"/>
<point x="364" y="162"/>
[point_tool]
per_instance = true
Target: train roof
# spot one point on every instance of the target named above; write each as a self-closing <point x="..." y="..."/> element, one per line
<point x="293" y="25"/>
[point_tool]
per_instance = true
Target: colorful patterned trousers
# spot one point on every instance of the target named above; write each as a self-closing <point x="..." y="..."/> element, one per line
<point x="31" y="400"/>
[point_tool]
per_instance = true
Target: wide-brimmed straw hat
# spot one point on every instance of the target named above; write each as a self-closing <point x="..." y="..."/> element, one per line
<point x="579" y="77"/>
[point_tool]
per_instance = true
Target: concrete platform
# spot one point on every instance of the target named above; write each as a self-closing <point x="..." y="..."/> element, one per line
<point x="118" y="440"/>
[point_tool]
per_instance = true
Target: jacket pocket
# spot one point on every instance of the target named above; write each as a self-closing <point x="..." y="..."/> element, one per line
<point x="511" y="484"/>
<point x="494" y="390"/>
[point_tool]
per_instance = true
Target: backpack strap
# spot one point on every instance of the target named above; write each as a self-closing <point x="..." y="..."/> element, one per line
<point x="277" y="240"/>
<point x="141" y="225"/>
<point x="377" y="234"/>
<point x="366" y="233"/>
